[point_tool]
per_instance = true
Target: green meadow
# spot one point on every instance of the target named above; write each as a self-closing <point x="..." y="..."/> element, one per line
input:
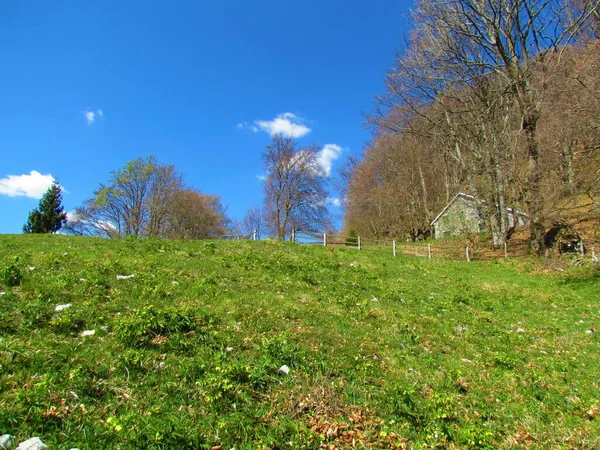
<point x="179" y="344"/>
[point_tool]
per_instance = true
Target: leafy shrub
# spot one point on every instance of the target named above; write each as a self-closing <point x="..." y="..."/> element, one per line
<point x="146" y="324"/>
<point x="11" y="275"/>
<point x="68" y="322"/>
<point x="281" y="351"/>
<point x="465" y="293"/>
<point x="505" y="360"/>
<point x="352" y="239"/>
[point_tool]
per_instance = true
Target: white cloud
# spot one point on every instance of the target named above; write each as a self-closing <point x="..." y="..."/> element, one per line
<point x="72" y="216"/>
<point x="261" y="177"/>
<point x="243" y="125"/>
<point x="90" y="115"/>
<point x="286" y="124"/>
<point x="327" y="155"/>
<point x="334" y="201"/>
<point x="103" y="225"/>
<point x="106" y="225"/>
<point x="32" y="185"/>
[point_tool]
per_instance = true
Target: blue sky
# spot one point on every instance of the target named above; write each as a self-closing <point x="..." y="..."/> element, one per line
<point x="88" y="86"/>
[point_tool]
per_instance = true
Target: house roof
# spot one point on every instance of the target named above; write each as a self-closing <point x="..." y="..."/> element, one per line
<point x="468" y="197"/>
<point x="460" y="194"/>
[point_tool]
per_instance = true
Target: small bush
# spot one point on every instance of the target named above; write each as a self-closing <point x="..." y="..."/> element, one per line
<point x="11" y="275"/>
<point x="352" y="239"/>
<point x="149" y="324"/>
<point x="68" y="322"/>
<point x="283" y="352"/>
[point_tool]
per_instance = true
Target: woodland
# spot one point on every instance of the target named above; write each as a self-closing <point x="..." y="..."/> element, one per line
<point x="500" y="100"/>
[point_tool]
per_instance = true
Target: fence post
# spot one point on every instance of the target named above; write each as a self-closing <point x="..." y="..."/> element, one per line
<point x="467" y="253"/>
<point x="253" y="234"/>
<point x="324" y="239"/>
<point x="582" y="248"/>
<point x="394" y="247"/>
<point x="358" y="242"/>
<point x="505" y="249"/>
<point x="429" y="251"/>
<point x="293" y="235"/>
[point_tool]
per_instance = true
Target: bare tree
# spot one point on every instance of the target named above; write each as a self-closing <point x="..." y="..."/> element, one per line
<point x="252" y="222"/>
<point x="295" y="194"/>
<point x="166" y="185"/>
<point x="459" y="46"/>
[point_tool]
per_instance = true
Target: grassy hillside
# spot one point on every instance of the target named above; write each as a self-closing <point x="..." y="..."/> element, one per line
<point x="382" y="352"/>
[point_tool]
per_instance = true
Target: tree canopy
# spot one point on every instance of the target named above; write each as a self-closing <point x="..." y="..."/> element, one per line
<point x="49" y="216"/>
<point x="494" y="98"/>
<point x="148" y="199"/>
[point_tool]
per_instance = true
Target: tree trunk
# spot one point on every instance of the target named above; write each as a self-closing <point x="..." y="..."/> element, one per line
<point x="532" y="198"/>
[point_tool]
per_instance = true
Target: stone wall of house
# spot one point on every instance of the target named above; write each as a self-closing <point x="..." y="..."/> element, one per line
<point x="461" y="217"/>
<point x="521" y="219"/>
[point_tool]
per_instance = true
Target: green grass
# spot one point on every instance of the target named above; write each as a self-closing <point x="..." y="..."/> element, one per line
<point x="383" y="352"/>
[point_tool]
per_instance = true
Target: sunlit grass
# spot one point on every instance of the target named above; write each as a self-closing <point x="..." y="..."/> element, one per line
<point x="382" y="352"/>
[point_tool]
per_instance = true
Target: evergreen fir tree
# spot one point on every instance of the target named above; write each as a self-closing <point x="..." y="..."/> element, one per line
<point x="49" y="216"/>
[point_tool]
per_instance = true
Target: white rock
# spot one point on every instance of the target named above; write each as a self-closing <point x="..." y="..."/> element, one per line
<point x="31" y="268"/>
<point x="228" y="349"/>
<point x="82" y="280"/>
<point x="374" y="299"/>
<point x="6" y="441"/>
<point x="588" y="332"/>
<point x="581" y="321"/>
<point x="2" y="293"/>
<point x="35" y="443"/>
<point x="59" y="308"/>
<point x="175" y="282"/>
<point x="124" y="277"/>
<point x="284" y="370"/>
<point x="88" y="333"/>
<point x="351" y="264"/>
<point x="520" y="330"/>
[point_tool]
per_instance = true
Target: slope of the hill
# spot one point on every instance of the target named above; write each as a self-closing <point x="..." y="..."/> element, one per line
<point x="170" y="344"/>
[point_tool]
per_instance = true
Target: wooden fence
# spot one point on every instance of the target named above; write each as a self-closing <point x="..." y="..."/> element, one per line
<point x="430" y="250"/>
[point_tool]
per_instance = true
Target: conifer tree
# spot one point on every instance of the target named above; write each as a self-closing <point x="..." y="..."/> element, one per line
<point x="49" y="216"/>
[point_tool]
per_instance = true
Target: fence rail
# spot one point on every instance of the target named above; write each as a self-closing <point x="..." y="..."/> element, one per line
<point x="428" y="250"/>
<point x="240" y="237"/>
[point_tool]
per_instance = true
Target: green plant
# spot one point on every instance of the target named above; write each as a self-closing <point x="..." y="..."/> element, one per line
<point x="148" y="325"/>
<point x="352" y="239"/>
<point x="11" y="275"/>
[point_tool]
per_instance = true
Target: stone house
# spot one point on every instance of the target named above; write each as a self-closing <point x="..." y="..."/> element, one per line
<point x="462" y="215"/>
